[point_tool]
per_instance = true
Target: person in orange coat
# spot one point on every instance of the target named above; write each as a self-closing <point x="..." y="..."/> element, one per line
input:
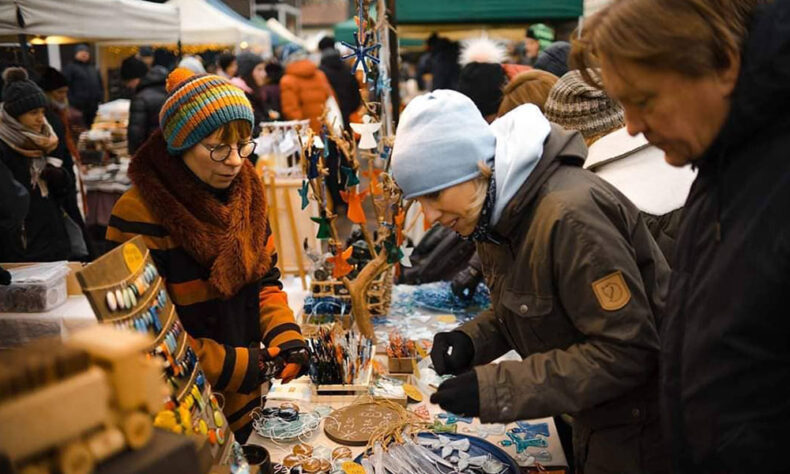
<point x="304" y="89"/>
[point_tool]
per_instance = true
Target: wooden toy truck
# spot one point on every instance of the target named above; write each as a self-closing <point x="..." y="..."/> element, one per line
<point x="65" y="407"/>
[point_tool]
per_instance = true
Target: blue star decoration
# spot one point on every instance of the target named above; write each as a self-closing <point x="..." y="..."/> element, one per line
<point x="312" y="167"/>
<point x="362" y="52"/>
<point x="383" y="84"/>
<point x="303" y="194"/>
<point x="522" y="444"/>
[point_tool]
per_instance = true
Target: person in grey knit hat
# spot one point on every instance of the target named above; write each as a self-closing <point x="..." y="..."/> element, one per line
<point x="576" y="105"/>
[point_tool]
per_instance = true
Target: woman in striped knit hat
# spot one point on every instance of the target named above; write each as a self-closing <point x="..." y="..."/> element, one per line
<point x="200" y="207"/>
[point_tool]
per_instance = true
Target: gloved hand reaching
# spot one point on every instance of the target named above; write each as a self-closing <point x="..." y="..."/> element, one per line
<point x="269" y="363"/>
<point x="465" y="282"/>
<point x="297" y="364"/>
<point x="452" y="352"/>
<point x="459" y="395"/>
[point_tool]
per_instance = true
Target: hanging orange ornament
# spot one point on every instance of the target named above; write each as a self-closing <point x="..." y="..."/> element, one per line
<point x="354" y="199"/>
<point x="340" y="265"/>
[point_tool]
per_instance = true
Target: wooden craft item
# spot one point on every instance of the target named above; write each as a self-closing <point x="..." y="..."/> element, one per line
<point x="356" y="424"/>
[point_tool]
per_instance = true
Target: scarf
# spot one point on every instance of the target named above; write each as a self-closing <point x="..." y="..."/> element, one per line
<point x="482" y="231"/>
<point x="31" y="144"/>
<point x="229" y="238"/>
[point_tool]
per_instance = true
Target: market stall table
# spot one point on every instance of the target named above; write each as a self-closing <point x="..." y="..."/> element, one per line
<point x="279" y="450"/>
<point x="19" y="328"/>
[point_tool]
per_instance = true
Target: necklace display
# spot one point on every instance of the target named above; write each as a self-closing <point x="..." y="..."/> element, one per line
<point x="125" y="296"/>
<point x="126" y="290"/>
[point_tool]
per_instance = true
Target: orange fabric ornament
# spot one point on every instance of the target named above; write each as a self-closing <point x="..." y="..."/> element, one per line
<point x="400" y="218"/>
<point x="354" y="199"/>
<point x="340" y="266"/>
<point x="375" y="184"/>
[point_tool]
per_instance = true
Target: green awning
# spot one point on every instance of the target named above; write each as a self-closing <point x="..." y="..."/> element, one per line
<point x="344" y="31"/>
<point x="495" y="11"/>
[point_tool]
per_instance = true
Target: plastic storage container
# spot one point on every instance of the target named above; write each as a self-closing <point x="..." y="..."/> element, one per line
<point x="35" y="288"/>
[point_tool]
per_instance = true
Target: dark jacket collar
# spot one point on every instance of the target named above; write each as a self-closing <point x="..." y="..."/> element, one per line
<point x="761" y="95"/>
<point x="562" y="147"/>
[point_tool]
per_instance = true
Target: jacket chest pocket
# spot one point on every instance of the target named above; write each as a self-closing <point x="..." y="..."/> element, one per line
<point x="535" y="323"/>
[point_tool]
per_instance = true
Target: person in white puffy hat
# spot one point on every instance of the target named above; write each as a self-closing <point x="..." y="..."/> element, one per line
<point x="576" y="279"/>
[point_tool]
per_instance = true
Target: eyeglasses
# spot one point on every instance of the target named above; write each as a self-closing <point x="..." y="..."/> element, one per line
<point x="221" y="152"/>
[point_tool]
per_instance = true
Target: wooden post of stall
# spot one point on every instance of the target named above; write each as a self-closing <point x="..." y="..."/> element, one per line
<point x="394" y="68"/>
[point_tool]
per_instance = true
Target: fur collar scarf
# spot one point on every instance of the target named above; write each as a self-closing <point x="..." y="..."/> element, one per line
<point x="229" y="237"/>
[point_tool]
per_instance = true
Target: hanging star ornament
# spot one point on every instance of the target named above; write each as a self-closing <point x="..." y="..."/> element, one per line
<point x="324" y="232"/>
<point x="383" y="84"/>
<point x="354" y="199"/>
<point x="362" y="52"/>
<point x="303" y="194"/>
<point x="406" y="260"/>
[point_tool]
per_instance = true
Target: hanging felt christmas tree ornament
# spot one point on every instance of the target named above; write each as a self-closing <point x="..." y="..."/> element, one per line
<point x="394" y="253"/>
<point x="324" y="231"/>
<point x="366" y="129"/>
<point x="351" y="176"/>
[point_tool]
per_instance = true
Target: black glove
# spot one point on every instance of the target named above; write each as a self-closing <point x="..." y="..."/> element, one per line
<point x="459" y="395"/>
<point x="270" y="364"/>
<point x="57" y="179"/>
<point x="465" y="282"/>
<point x="297" y="363"/>
<point x="461" y="356"/>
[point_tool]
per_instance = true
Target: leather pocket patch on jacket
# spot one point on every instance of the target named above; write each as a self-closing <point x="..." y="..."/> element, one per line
<point x="612" y="291"/>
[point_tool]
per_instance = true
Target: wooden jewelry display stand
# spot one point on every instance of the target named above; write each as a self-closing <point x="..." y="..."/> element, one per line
<point x="126" y="291"/>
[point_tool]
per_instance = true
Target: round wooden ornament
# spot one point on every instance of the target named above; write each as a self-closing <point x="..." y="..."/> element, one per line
<point x="355" y="425"/>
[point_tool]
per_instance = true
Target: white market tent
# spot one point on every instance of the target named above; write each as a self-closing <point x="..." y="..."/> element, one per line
<point x="284" y="32"/>
<point x="203" y="23"/>
<point x="96" y="20"/>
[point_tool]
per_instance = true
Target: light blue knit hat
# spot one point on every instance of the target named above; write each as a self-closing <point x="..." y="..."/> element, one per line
<point x="440" y="140"/>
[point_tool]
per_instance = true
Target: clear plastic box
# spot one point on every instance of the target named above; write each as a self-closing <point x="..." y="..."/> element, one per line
<point x="35" y="288"/>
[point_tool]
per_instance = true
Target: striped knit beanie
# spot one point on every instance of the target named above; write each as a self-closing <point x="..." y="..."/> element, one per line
<point x="197" y="105"/>
<point x="576" y="105"/>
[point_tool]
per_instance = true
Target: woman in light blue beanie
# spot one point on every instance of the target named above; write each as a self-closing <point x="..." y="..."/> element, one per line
<point x="576" y="278"/>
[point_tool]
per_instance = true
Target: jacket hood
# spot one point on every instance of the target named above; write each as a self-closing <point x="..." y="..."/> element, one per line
<point x="560" y="147"/>
<point x="638" y="170"/>
<point x="763" y="89"/>
<point x="302" y="68"/>
<point x="156" y="76"/>
<point x="330" y="58"/>
<point x="517" y="151"/>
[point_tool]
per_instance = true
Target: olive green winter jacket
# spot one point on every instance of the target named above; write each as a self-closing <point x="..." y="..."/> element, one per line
<point x="577" y="284"/>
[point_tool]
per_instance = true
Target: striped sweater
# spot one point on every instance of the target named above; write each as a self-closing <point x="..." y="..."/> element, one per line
<point x="225" y="333"/>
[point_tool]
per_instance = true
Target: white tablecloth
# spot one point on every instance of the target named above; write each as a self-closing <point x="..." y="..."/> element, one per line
<point x="20" y="328"/>
<point x="279" y="450"/>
